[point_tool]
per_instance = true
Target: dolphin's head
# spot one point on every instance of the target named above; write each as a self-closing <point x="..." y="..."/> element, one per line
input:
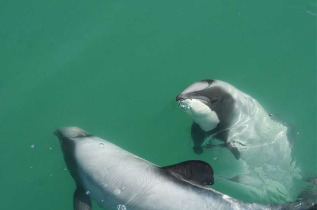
<point x="198" y="99"/>
<point x="208" y="102"/>
<point x="192" y="92"/>
<point x="69" y="133"/>
<point x="69" y="137"/>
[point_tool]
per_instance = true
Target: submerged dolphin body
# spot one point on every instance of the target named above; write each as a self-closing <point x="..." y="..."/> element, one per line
<point x="117" y="179"/>
<point x="222" y="112"/>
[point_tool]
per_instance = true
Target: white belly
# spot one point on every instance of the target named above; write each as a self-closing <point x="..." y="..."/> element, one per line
<point x="201" y="114"/>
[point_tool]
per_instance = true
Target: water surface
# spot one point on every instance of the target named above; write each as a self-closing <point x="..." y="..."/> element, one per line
<point x="114" y="68"/>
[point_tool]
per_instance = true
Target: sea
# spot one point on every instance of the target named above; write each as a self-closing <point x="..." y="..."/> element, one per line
<point x="114" y="68"/>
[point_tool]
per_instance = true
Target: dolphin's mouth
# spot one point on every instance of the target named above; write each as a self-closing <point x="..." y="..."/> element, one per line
<point x="184" y="104"/>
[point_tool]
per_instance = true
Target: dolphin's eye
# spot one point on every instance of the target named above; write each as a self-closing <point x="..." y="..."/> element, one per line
<point x="213" y="100"/>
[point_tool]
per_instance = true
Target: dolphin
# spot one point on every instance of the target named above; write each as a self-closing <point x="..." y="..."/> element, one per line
<point x="224" y="116"/>
<point x="117" y="179"/>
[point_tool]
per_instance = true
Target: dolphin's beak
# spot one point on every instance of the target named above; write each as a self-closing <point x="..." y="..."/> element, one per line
<point x="183" y="101"/>
<point x="180" y="97"/>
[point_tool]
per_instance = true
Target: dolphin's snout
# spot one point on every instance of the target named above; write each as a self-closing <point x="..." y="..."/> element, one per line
<point x="69" y="132"/>
<point x="181" y="97"/>
<point x="183" y="102"/>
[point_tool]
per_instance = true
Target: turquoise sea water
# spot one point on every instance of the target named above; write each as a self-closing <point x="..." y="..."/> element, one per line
<point x="114" y="69"/>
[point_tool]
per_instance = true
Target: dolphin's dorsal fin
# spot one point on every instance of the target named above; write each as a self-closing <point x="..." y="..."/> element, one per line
<point x="195" y="171"/>
<point x="81" y="199"/>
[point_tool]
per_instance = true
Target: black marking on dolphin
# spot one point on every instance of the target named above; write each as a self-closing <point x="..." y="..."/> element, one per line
<point x="195" y="171"/>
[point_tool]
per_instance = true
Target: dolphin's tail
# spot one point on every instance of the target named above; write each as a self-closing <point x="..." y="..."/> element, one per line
<point x="307" y="199"/>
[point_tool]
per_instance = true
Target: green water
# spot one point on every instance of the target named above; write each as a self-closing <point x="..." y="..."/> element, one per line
<point x="114" y="68"/>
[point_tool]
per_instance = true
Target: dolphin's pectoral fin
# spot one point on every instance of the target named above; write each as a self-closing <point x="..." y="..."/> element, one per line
<point x="198" y="136"/>
<point x="235" y="178"/>
<point x="194" y="171"/>
<point x="234" y="151"/>
<point x="81" y="200"/>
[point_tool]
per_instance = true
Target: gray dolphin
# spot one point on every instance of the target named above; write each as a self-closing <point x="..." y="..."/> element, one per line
<point x="222" y="112"/>
<point x="117" y="179"/>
